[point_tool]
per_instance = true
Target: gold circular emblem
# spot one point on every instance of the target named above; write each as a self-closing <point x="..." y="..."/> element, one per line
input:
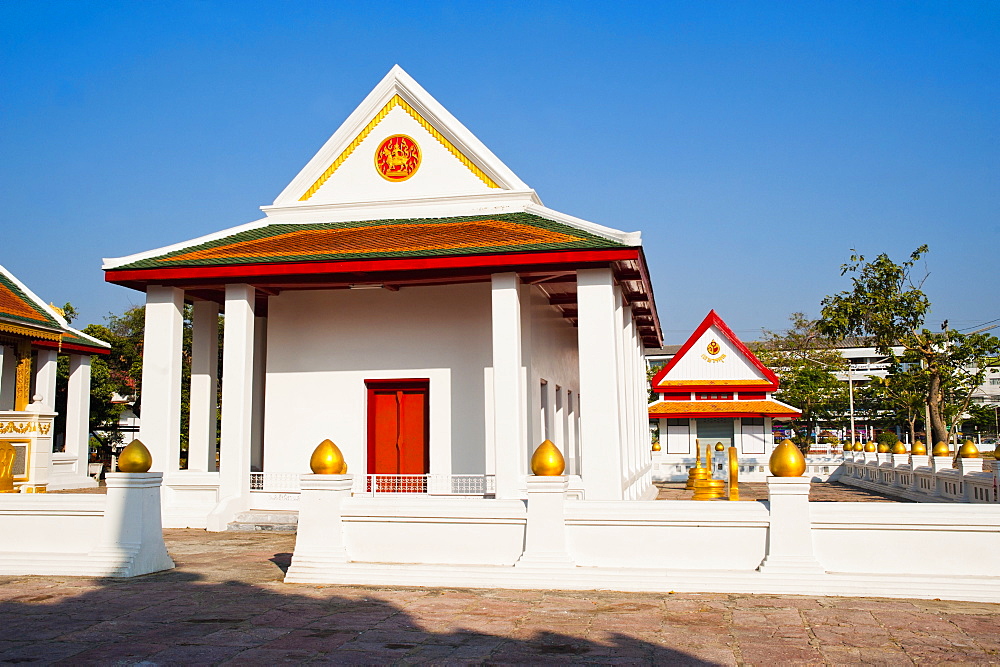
<point x="397" y="158"/>
<point x="713" y="348"/>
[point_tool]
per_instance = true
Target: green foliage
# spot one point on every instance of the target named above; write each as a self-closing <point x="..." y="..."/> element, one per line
<point x="887" y="306"/>
<point x="805" y="362"/>
<point x="886" y="437"/>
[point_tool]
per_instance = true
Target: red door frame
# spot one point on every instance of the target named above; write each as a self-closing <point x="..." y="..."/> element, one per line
<point x="402" y="384"/>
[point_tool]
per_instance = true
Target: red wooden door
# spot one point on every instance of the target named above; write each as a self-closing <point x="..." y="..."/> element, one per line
<point x="398" y="428"/>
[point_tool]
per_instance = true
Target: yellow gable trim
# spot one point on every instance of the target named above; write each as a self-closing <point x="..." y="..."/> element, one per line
<point x="395" y="101"/>
<point x="30" y="331"/>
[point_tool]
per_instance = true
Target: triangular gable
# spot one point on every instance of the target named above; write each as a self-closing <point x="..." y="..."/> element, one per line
<point x="714" y="358"/>
<point x="437" y="156"/>
<point x="22" y="312"/>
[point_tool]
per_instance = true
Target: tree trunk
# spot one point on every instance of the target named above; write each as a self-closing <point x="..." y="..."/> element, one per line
<point x="938" y="430"/>
<point x="912" y="423"/>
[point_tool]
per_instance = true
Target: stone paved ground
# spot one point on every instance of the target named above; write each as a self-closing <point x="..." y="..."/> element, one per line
<point x="225" y="603"/>
<point x="818" y="492"/>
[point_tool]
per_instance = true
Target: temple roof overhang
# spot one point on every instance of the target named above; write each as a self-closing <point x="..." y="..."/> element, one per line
<point x="695" y="409"/>
<point x="399" y="253"/>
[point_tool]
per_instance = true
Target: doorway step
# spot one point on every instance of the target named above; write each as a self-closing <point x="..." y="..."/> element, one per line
<point x="277" y="521"/>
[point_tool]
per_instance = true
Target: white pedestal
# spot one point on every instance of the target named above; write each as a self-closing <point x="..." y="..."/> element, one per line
<point x="545" y="533"/>
<point x="789" y="537"/>
<point x="319" y="540"/>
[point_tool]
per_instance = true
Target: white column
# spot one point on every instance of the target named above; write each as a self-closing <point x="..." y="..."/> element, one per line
<point x="8" y="369"/>
<point x="627" y="363"/>
<point x="45" y="377"/>
<point x="508" y="392"/>
<point x="600" y="418"/>
<point x="78" y="411"/>
<point x="237" y="405"/>
<point x="204" y="386"/>
<point x="160" y="402"/>
<point x="789" y="535"/>
<point x="259" y="370"/>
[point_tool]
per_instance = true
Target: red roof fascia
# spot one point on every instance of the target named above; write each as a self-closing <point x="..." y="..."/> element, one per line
<point x="713" y="319"/>
<point x="366" y="265"/>
<point x="70" y="347"/>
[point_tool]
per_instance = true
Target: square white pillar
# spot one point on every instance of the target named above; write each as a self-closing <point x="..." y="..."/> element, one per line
<point x="45" y="378"/>
<point x="237" y="405"/>
<point x="8" y="371"/>
<point x="78" y="411"/>
<point x="545" y="530"/>
<point x="202" y="431"/>
<point x="600" y="415"/>
<point x="257" y="398"/>
<point x="789" y="535"/>
<point x="160" y="402"/>
<point x="508" y="391"/>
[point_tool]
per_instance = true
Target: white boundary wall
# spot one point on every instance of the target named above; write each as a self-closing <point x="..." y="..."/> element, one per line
<point x="859" y="549"/>
<point x="927" y="479"/>
<point x="113" y="535"/>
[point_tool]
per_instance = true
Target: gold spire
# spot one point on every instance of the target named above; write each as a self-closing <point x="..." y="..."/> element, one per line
<point x="135" y="458"/>
<point x="787" y="460"/>
<point x="547" y="461"/>
<point x="327" y="459"/>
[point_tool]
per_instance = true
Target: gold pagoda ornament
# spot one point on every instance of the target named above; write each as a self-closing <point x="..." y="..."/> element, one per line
<point x="697" y="472"/>
<point x="870" y="447"/>
<point x="327" y="459"/>
<point x="547" y="461"/>
<point x="899" y="448"/>
<point x="135" y="458"/>
<point x="708" y="488"/>
<point x="919" y="448"/>
<point x="996" y="453"/>
<point x="656" y="446"/>
<point x="968" y="450"/>
<point x="719" y="447"/>
<point x="787" y="460"/>
<point x="941" y="449"/>
<point x="883" y="448"/>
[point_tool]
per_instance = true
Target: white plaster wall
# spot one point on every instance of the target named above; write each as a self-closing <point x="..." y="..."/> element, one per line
<point x="552" y="355"/>
<point x="322" y="345"/>
<point x="65" y="523"/>
<point x="434" y="530"/>
<point x="898" y="538"/>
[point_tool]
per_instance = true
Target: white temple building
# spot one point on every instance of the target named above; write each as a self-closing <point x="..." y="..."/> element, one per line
<point x="410" y="298"/>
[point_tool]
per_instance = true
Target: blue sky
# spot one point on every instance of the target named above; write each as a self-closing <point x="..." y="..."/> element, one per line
<point x="754" y="144"/>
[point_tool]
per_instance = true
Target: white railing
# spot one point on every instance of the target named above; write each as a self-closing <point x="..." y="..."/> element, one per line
<point x="275" y="482"/>
<point x="368" y="485"/>
<point x="434" y="485"/>
<point x="920" y="479"/>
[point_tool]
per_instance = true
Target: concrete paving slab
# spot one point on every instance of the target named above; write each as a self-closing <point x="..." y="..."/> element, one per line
<point x="225" y="603"/>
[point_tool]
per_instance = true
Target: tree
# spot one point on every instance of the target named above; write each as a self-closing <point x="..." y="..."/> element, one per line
<point x="900" y="396"/>
<point x="887" y="305"/>
<point x="805" y="361"/>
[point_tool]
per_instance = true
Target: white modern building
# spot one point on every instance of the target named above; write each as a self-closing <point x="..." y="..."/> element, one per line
<point x="410" y="298"/>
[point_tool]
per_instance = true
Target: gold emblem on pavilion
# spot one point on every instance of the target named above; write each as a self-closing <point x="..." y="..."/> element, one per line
<point x="397" y="158"/>
<point x="713" y="348"/>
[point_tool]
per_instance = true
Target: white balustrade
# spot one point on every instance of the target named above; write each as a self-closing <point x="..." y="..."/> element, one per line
<point x="918" y="478"/>
<point x="370" y="485"/>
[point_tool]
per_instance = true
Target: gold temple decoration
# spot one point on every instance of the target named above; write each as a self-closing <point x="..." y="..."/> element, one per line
<point x="697" y="472"/>
<point x="327" y="459"/>
<point x="22" y="375"/>
<point x="883" y="448"/>
<point x="996" y="452"/>
<point x="787" y="460"/>
<point x="135" y="458"/>
<point x="968" y="450"/>
<point x="919" y="448"/>
<point x="656" y="446"/>
<point x="547" y="461"/>
<point x="719" y="447"/>
<point x="898" y="448"/>
<point x="941" y="449"/>
<point x="734" y="474"/>
<point x="870" y="447"/>
<point x="708" y="488"/>
<point x="394" y="102"/>
<point x="7" y="455"/>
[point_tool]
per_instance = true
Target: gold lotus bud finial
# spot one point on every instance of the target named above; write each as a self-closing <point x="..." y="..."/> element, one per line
<point x="656" y="446"/>
<point x="547" y="461"/>
<point x="870" y="446"/>
<point x="941" y="449"/>
<point x="996" y="452"/>
<point x="787" y="460"/>
<point x="327" y="459"/>
<point x="719" y="447"/>
<point x="135" y="458"/>
<point x="919" y="448"/>
<point x="883" y="448"/>
<point x="968" y="450"/>
<point x="899" y="448"/>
